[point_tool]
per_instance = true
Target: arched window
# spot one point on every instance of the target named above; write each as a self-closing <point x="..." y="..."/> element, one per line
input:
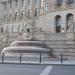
<point x="1" y="29"/>
<point x="58" y="23"/>
<point x="36" y="12"/>
<point x="4" y="17"/>
<point x="16" y="16"/>
<point x="22" y="13"/>
<point x="28" y="13"/>
<point x="7" y="29"/>
<point x="69" y="20"/>
<point x="12" y="28"/>
<point x="9" y="17"/>
<point x="20" y="28"/>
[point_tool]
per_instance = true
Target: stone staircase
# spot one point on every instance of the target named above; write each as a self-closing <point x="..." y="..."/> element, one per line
<point x="58" y="42"/>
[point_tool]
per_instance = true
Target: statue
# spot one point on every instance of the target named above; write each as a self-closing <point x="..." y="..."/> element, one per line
<point x="70" y="27"/>
<point x="28" y="33"/>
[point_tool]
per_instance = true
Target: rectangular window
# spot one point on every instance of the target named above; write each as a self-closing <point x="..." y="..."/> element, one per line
<point x="11" y="4"/>
<point x="22" y="2"/>
<point x="70" y="1"/>
<point x="59" y="2"/>
<point x="5" y="6"/>
<point x="36" y="12"/>
<point x="28" y="2"/>
<point x="46" y="7"/>
<point x="35" y="1"/>
<point x="16" y="3"/>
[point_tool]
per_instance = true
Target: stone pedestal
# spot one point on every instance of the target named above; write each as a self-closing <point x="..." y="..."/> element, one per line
<point x="27" y="36"/>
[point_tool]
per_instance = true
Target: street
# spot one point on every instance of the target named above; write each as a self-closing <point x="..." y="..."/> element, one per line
<point x="63" y="70"/>
<point x="14" y="69"/>
<point x="23" y="69"/>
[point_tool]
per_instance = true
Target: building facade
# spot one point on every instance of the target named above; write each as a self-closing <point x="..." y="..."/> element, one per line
<point x="50" y="16"/>
<point x="51" y="20"/>
<point x="16" y="13"/>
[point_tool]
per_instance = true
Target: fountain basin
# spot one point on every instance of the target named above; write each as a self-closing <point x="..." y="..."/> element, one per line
<point x="26" y="49"/>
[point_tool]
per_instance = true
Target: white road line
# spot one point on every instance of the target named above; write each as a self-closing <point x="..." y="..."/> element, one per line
<point x="47" y="70"/>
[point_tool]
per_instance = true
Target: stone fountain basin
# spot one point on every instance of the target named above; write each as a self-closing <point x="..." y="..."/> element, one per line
<point x="26" y="49"/>
<point x="27" y="43"/>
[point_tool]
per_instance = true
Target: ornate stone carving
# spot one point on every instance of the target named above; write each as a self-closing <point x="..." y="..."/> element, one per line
<point x="70" y="27"/>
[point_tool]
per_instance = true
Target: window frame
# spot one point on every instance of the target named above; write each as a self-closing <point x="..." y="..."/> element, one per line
<point x="59" y="3"/>
<point x="58" y="22"/>
<point x="46" y="7"/>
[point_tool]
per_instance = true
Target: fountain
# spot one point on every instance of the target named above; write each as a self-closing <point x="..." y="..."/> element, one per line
<point x="27" y="43"/>
<point x="26" y="46"/>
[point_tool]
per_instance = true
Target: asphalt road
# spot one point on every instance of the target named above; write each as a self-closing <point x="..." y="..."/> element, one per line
<point x="13" y="69"/>
<point x="63" y="70"/>
<point x="22" y="69"/>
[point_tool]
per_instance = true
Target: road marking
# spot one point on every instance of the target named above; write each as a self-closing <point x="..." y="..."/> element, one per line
<point x="47" y="70"/>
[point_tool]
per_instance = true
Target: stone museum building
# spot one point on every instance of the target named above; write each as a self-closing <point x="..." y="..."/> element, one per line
<point x="50" y="21"/>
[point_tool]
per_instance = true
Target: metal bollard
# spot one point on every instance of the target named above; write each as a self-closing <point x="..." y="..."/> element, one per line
<point x="40" y="57"/>
<point x="61" y="58"/>
<point x="20" y="57"/>
<point x="2" y="57"/>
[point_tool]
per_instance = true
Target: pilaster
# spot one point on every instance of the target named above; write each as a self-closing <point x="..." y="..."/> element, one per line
<point x="42" y="7"/>
<point x="74" y="2"/>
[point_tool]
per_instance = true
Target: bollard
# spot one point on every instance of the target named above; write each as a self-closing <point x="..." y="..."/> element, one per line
<point x="40" y="57"/>
<point x="2" y="57"/>
<point x="20" y="57"/>
<point x="61" y="58"/>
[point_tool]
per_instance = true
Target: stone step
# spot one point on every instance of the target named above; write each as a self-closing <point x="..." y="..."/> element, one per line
<point x="59" y="42"/>
<point x="61" y="47"/>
